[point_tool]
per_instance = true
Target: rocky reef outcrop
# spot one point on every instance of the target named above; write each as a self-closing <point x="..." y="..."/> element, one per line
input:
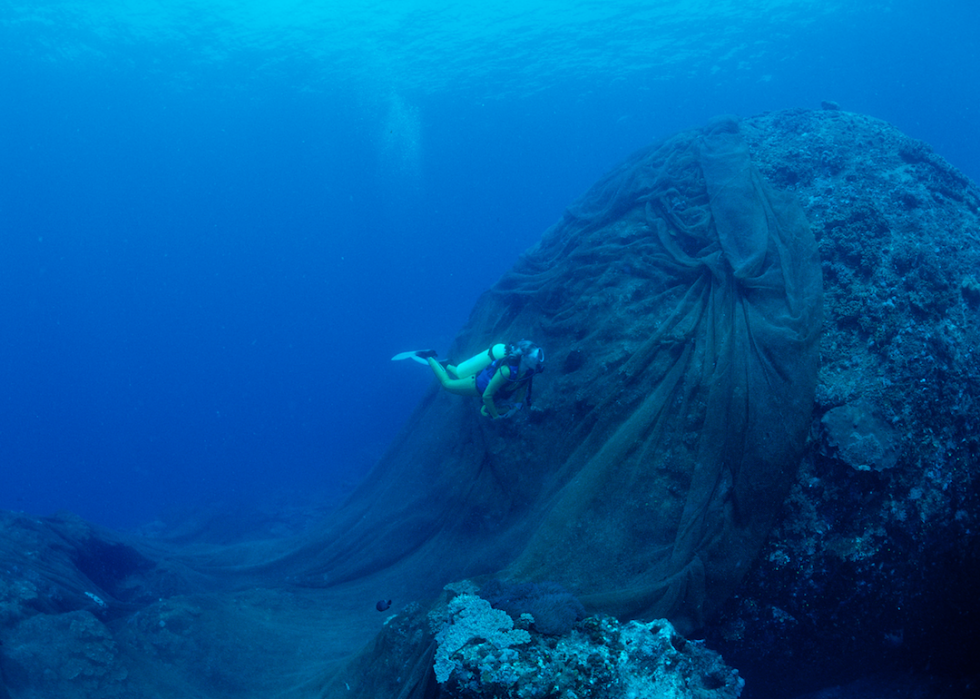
<point x="471" y="650"/>
<point x="876" y="551"/>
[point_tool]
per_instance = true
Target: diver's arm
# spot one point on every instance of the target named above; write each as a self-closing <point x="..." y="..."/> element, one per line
<point x="498" y="380"/>
<point x="521" y="393"/>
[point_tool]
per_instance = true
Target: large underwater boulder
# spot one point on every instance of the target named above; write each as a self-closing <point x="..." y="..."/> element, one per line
<point x="875" y="558"/>
<point x="679" y="302"/>
<point x="662" y="442"/>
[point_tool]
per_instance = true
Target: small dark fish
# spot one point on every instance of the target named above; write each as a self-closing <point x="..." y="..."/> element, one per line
<point x="383" y="604"/>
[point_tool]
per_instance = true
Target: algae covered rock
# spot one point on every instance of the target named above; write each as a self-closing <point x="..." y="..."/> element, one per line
<point x="877" y="552"/>
<point x="553" y="608"/>
<point x="17" y="597"/>
<point x="66" y="655"/>
<point x="462" y="648"/>
<point x="479" y="656"/>
<point x="862" y="439"/>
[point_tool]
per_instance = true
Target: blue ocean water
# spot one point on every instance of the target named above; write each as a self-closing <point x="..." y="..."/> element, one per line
<point x="219" y="220"/>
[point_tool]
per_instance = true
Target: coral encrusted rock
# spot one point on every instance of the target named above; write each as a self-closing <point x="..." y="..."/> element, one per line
<point x="479" y="657"/>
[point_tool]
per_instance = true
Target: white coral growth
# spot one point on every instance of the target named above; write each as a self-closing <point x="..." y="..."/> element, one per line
<point x="471" y="618"/>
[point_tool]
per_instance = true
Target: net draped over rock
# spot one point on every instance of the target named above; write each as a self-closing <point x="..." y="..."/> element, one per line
<point x="679" y="304"/>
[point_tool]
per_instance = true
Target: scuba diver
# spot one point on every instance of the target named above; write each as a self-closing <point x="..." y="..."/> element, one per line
<point x="502" y="375"/>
